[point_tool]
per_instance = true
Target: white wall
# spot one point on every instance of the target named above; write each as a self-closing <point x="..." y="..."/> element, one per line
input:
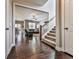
<point x="48" y="7"/>
<point x="22" y="13"/>
<point x="8" y="23"/>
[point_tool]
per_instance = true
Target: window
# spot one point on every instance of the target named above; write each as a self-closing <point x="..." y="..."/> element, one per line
<point x="31" y="25"/>
<point x="18" y="26"/>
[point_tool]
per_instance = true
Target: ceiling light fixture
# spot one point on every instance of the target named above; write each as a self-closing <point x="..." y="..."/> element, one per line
<point x="33" y="16"/>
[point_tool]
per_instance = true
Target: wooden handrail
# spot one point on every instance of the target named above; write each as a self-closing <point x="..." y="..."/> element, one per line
<point x="49" y="21"/>
<point x="40" y="32"/>
<point x="41" y="27"/>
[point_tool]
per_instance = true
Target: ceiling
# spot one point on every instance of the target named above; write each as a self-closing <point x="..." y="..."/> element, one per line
<point x="32" y="2"/>
<point x="24" y="13"/>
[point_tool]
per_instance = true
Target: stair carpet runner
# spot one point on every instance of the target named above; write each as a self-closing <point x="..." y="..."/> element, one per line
<point x="50" y="38"/>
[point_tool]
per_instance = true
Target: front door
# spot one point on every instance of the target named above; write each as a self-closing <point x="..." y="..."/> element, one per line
<point x="68" y="26"/>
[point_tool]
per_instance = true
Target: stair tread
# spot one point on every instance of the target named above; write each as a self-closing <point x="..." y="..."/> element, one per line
<point x="51" y="33"/>
<point x="53" y="29"/>
<point x="50" y="37"/>
<point x="48" y="43"/>
<point x="52" y="42"/>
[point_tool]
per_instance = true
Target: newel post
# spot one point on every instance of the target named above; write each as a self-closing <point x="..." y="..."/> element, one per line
<point x="40" y="32"/>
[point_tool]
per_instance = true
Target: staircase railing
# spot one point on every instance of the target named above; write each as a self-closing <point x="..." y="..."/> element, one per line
<point x="48" y="26"/>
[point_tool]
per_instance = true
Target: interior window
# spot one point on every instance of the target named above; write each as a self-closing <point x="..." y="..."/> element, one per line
<point x="18" y="26"/>
<point x="31" y="25"/>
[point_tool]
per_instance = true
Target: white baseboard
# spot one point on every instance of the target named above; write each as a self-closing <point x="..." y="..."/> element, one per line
<point x="69" y="52"/>
<point x="59" y="49"/>
<point x="9" y="50"/>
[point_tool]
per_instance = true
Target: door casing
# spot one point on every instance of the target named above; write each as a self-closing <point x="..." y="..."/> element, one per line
<point x="60" y="23"/>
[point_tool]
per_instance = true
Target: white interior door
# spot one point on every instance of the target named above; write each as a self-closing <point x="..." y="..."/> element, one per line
<point x="8" y="27"/>
<point x="68" y="28"/>
<point x="7" y="30"/>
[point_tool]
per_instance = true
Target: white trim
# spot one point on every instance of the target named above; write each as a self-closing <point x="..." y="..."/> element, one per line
<point x="59" y="49"/>
<point x="62" y="27"/>
<point x="62" y="21"/>
<point x="68" y="52"/>
<point x="62" y="50"/>
<point x="29" y="7"/>
<point x="57" y="26"/>
<point x="13" y="23"/>
<point x="9" y="50"/>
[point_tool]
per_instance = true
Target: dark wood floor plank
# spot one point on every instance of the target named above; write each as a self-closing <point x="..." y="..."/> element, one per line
<point x="32" y="48"/>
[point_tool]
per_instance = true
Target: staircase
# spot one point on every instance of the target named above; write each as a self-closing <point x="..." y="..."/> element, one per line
<point x="50" y="38"/>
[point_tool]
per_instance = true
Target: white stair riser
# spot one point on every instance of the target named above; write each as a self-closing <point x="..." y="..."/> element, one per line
<point x="51" y="37"/>
<point x="52" y="31"/>
<point x="53" y="45"/>
<point x="50" y="34"/>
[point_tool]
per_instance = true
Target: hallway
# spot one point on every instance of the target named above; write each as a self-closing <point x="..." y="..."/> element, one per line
<point x="32" y="48"/>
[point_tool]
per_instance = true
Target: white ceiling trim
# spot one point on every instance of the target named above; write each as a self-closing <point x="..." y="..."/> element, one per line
<point x="32" y="2"/>
<point x="29" y="7"/>
<point x="16" y="4"/>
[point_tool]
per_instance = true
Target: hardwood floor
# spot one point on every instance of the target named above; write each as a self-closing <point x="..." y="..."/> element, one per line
<point x="61" y="55"/>
<point x="32" y="48"/>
